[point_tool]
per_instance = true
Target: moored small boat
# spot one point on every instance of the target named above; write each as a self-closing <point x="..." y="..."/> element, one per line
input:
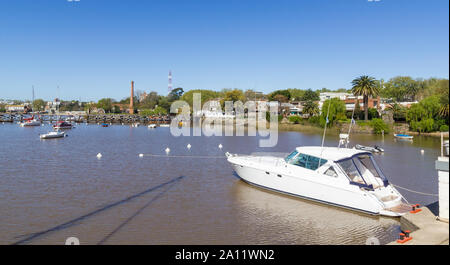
<point x="53" y="135"/>
<point x="62" y="125"/>
<point x="105" y="124"/>
<point x="30" y="122"/>
<point x="375" y="149"/>
<point x="152" y="126"/>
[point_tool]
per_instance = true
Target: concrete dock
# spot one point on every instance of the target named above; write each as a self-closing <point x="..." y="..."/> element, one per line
<point x="426" y="228"/>
<point x="430" y="225"/>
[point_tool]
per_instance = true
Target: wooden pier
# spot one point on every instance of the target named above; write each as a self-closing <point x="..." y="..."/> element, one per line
<point x="91" y="118"/>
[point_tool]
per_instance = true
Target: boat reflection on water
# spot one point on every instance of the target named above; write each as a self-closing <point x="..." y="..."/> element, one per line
<point x="298" y="221"/>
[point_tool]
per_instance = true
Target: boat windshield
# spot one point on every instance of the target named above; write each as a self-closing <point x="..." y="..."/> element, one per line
<point x="363" y="170"/>
<point x="290" y="156"/>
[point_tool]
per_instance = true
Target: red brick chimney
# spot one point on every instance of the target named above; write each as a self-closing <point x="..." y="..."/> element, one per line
<point x="132" y="98"/>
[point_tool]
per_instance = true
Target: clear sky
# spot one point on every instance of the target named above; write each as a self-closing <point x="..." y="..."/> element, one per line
<point x="94" y="48"/>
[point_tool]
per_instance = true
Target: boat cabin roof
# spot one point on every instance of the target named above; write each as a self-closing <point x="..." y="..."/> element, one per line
<point x="329" y="153"/>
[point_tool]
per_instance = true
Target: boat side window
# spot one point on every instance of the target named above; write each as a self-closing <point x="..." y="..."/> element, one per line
<point x="331" y="172"/>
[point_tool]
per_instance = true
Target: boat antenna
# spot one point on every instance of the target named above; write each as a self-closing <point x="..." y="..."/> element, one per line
<point x="324" y="131"/>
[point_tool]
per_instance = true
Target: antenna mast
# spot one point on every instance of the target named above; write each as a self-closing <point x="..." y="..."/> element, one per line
<point x="170" y="88"/>
<point x="324" y="132"/>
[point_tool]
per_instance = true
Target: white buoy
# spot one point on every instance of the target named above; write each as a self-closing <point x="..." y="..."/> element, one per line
<point x="141" y="155"/>
<point x="167" y="150"/>
<point x="99" y="155"/>
<point x="189" y="146"/>
<point x="220" y="146"/>
<point x="422" y="151"/>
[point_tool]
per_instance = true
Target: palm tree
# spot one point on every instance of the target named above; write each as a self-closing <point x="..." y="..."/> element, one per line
<point x="444" y="111"/>
<point x="311" y="108"/>
<point x="365" y="86"/>
<point x="398" y="111"/>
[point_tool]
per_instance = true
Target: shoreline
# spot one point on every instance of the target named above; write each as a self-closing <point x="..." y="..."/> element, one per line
<point x="282" y="126"/>
<point x="337" y="130"/>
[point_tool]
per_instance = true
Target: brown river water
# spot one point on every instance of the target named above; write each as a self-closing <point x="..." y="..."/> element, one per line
<point x="54" y="189"/>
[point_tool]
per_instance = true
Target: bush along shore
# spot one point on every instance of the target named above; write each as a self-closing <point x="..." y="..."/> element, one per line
<point x="374" y="126"/>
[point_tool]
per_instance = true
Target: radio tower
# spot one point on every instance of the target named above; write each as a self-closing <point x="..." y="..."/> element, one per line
<point x="170" y="83"/>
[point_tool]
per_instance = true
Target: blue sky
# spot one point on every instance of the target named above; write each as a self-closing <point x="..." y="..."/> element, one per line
<point x="94" y="48"/>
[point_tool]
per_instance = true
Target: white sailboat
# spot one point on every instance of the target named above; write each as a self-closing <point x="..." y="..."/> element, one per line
<point x="31" y="121"/>
<point x="54" y="134"/>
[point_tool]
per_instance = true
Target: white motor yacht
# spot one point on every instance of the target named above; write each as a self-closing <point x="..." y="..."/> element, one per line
<point x="343" y="177"/>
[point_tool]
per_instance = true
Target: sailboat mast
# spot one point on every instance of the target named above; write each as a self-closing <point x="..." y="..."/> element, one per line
<point x="32" y="98"/>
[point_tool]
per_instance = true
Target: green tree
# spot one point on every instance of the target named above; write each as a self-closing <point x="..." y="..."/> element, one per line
<point x="251" y="95"/>
<point x="234" y="95"/>
<point x="365" y="86"/>
<point x="311" y="108"/>
<point x="105" y="104"/>
<point x="280" y="98"/>
<point x="175" y="94"/>
<point x="295" y="119"/>
<point x="164" y="103"/>
<point x="443" y="91"/>
<point x="310" y="95"/>
<point x="205" y="95"/>
<point x="116" y="109"/>
<point x="38" y="105"/>
<point x="422" y="116"/>
<point x="150" y="101"/>
<point x="296" y="94"/>
<point x="398" y="111"/>
<point x="336" y="111"/>
<point x="285" y="93"/>
<point x="403" y="88"/>
<point x="160" y="111"/>
<point x="379" y="126"/>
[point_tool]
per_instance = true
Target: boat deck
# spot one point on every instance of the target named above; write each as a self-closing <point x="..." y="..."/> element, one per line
<point x="401" y="208"/>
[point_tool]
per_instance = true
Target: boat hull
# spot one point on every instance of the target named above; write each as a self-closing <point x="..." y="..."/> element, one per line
<point x="403" y="136"/>
<point x="296" y="186"/>
<point x="52" y="136"/>
<point x="30" y="124"/>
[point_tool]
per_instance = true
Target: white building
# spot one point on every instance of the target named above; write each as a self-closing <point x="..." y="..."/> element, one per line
<point x="15" y="108"/>
<point x="52" y="106"/>
<point x="341" y="95"/>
